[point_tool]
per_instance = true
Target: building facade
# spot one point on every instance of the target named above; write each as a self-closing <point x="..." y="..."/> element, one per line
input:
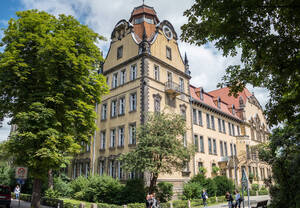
<point x="146" y="73"/>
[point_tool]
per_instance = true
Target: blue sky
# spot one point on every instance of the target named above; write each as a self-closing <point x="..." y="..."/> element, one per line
<point x="207" y="64"/>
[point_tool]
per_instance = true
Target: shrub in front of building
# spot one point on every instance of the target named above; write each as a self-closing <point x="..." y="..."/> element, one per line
<point x="223" y="185"/>
<point x="164" y="191"/>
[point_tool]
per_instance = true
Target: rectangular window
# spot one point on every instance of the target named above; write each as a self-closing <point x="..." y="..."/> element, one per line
<point x="115" y="80"/>
<point x="120" y="170"/>
<point x="181" y="84"/>
<point x="233" y="131"/>
<point x="215" y="146"/>
<point x="113" y="138"/>
<point x="112" y="170"/>
<point x="102" y="140"/>
<point x="123" y="77"/>
<point x="248" y="152"/>
<point x="132" y="102"/>
<point x="200" y="118"/>
<point x="221" y="148"/>
<point x="208" y="121"/>
<point x="213" y="122"/>
<point x="223" y="124"/>
<point x="170" y="77"/>
<point x="103" y="111"/>
<point x="113" y="108"/>
<point x="122" y="106"/>
<point x="168" y="53"/>
<point x="201" y="144"/>
<point x="200" y="165"/>
<point x="234" y="148"/>
<point x="133" y="72"/>
<point x="101" y="167"/>
<point x="229" y="127"/>
<point x="231" y="149"/>
<point x="107" y="80"/>
<point x="132" y="134"/>
<point x="121" y="136"/>
<point x="238" y="130"/>
<point x="219" y="125"/>
<point x="196" y="143"/>
<point x="209" y="146"/>
<point x="156" y="73"/>
<point x="225" y="148"/>
<point x="120" y="52"/>
<point x="195" y="116"/>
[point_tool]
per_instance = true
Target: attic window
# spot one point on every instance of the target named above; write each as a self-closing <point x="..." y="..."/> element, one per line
<point x="219" y="102"/>
<point x="149" y="20"/>
<point x="241" y="101"/>
<point x="139" y="20"/>
<point x="233" y="109"/>
<point x="120" y="52"/>
<point x="201" y="94"/>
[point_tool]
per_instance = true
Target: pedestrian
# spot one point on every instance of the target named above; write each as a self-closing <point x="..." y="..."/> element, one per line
<point x="238" y="199"/>
<point x="17" y="191"/>
<point x="149" y="201"/>
<point x="229" y="198"/>
<point x="204" y="196"/>
<point x="154" y="200"/>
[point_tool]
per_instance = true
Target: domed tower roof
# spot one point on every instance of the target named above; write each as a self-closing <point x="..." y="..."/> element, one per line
<point x="144" y="20"/>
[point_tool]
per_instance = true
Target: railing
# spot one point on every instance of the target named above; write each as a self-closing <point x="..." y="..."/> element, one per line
<point x="173" y="88"/>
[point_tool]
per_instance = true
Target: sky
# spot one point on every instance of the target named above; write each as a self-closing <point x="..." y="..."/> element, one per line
<point x="207" y="65"/>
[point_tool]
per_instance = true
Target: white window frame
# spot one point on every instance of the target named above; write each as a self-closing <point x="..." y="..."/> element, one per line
<point x="112" y="138"/>
<point x="132" y="133"/>
<point x="102" y="140"/>
<point x="123" y="77"/>
<point x="101" y="167"/>
<point x="113" y="108"/>
<point x="122" y="106"/>
<point x="115" y="80"/>
<point x="121" y="136"/>
<point x="133" y="72"/>
<point x="104" y="111"/>
<point x="156" y="73"/>
<point x="133" y="101"/>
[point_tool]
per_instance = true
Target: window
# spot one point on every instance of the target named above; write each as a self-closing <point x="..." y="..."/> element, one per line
<point x="122" y="106"/>
<point x="184" y="140"/>
<point x="225" y="148"/>
<point x="231" y="149"/>
<point x="233" y="131"/>
<point x="229" y="127"/>
<point x="119" y="52"/>
<point x="207" y="121"/>
<point x="132" y="134"/>
<point x="181" y="84"/>
<point x="120" y="170"/>
<point x="248" y="152"/>
<point x="200" y="165"/>
<point x="219" y="125"/>
<point x="113" y="108"/>
<point x="113" y="138"/>
<point x="87" y="169"/>
<point x="221" y="148"/>
<point x="123" y="77"/>
<point x="195" y="116"/>
<point x="213" y="122"/>
<point x="87" y="147"/>
<point x="80" y="169"/>
<point x="170" y="77"/>
<point x="196" y="143"/>
<point x="215" y="146"/>
<point x="238" y="130"/>
<point x="132" y="102"/>
<point x="209" y="146"/>
<point x="201" y="94"/>
<point x="133" y="72"/>
<point x="112" y="170"/>
<point x="115" y="80"/>
<point x="107" y="80"/>
<point x="249" y="170"/>
<point x="74" y="171"/>
<point x="102" y="140"/>
<point x="234" y="148"/>
<point x="201" y="144"/>
<point x="223" y="124"/>
<point x="121" y="136"/>
<point x="168" y="53"/>
<point x="183" y="114"/>
<point x="101" y="167"/>
<point x="103" y="111"/>
<point x="200" y="118"/>
<point x="156" y="73"/>
<point x="157" y="105"/>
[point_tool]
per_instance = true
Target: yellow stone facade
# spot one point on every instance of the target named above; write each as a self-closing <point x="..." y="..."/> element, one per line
<point x="146" y="72"/>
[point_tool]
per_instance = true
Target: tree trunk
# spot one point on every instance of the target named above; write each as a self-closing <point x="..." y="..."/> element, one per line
<point x="153" y="183"/>
<point x="36" y="193"/>
<point x="50" y="179"/>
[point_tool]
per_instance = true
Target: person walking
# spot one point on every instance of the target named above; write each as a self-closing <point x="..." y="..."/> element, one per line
<point x="149" y="201"/>
<point x="154" y="200"/>
<point x="204" y="196"/>
<point x="229" y="198"/>
<point x="238" y="199"/>
<point x="17" y="191"/>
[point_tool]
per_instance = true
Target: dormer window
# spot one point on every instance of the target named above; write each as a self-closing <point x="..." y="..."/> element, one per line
<point x="120" y="52"/>
<point x="168" y="53"/>
<point x="233" y="109"/>
<point x="219" y="102"/>
<point x="241" y="101"/>
<point x="201" y="94"/>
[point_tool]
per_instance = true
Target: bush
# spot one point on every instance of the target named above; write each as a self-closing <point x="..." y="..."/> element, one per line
<point x="192" y="191"/>
<point x="51" y="193"/>
<point x="199" y="178"/>
<point x="196" y="202"/>
<point x="104" y="205"/>
<point x="212" y="200"/>
<point x="25" y="197"/>
<point x="223" y="185"/>
<point x="79" y="184"/>
<point x="62" y="186"/>
<point x="136" y="205"/>
<point x="165" y="191"/>
<point x="133" y="192"/>
<point x="165" y="205"/>
<point x="263" y="191"/>
<point x="252" y="192"/>
<point x="180" y="204"/>
<point x="255" y="187"/>
<point x="211" y="187"/>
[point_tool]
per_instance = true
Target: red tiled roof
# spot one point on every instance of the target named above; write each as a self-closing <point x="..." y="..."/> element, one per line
<point x="208" y="99"/>
<point x="223" y="93"/>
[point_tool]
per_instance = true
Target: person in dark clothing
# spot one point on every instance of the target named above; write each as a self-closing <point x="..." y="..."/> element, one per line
<point x="229" y="198"/>
<point x="238" y="199"/>
<point x="149" y="201"/>
<point x="204" y="196"/>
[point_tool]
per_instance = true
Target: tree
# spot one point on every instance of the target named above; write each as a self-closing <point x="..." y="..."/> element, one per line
<point x="49" y="86"/>
<point x="282" y="153"/>
<point x="267" y="32"/>
<point x="159" y="149"/>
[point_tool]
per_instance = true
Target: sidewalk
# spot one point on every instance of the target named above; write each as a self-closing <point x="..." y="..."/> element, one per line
<point x="253" y="201"/>
<point x="23" y="204"/>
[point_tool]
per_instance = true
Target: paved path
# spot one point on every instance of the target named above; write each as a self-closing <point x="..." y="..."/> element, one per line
<point x="23" y="204"/>
<point x="253" y="201"/>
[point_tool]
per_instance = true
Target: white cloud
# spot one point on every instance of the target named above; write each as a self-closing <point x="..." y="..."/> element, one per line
<point x="207" y="64"/>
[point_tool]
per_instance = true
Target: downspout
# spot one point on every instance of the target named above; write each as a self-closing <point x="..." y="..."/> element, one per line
<point x="94" y="142"/>
<point x="191" y="110"/>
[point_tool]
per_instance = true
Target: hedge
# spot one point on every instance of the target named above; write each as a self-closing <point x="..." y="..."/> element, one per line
<point x="180" y="204"/>
<point x="104" y="205"/>
<point x="263" y="192"/>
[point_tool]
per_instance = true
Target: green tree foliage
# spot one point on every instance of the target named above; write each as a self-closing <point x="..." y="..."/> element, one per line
<point x="164" y="192"/>
<point x="192" y="190"/>
<point x="49" y="86"/>
<point x="267" y="32"/>
<point x="134" y="191"/>
<point x="159" y="148"/>
<point x="282" y="153"/>
<point x="7" y="175"/>
<point x="223" y="185"/>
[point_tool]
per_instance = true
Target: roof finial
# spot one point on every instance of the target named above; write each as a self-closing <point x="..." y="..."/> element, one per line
<point x="186" y="61"/>
<point x="143" y="2"/>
